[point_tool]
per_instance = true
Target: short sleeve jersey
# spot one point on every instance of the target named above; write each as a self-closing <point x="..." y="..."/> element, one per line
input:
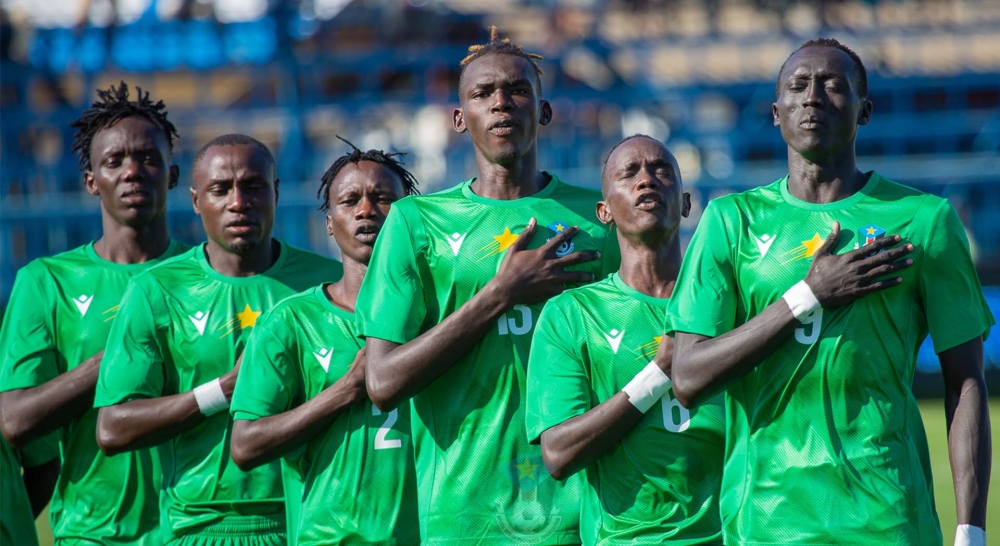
<point x="180" y="325"/>
<point x="60" y="313"/>
<point x="833" y="403"/>
<point x="358" y="481"/>
<point x="660" y="484"/>
<point x="17" y="523"/>
<point x="478" y="479"/>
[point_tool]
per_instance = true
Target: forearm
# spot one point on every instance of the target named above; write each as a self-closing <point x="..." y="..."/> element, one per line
<point x="704" y="366"/>
<point x="263" y="440"/>
<point x="969" y="448"/>
<point x="146" y="423"/>
<point x="40" y="481"/>
<point x="574" y="444"/>
<point x="395" y="374"/>
<point x="31" y="413"/>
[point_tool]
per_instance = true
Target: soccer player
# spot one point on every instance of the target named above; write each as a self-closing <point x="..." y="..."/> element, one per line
<point x="27" y="478"/>
<point x="449" y="304"/>
<point x="302" y="382"/>
<point x="60" y="314"/>
<point x="653" y="467"/>
<point x="170" y="365"/>
<point x="825" y="442"/>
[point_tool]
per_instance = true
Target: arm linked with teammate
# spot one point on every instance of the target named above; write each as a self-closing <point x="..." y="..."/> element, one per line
<point x="703" y="365"/>
<point x="145" y="423"/>
<point x="575" y="443"/>
<point x="263" y="440"/>
<point x="395" y="372"/>
<point x="33" y="412"/>
<point x="968" y="418"/>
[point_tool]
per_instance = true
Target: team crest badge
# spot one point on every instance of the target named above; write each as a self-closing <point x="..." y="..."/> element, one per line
<point x="556" y="228"/>
<point x="869" y="233"/>
<point x="533" y="516"/>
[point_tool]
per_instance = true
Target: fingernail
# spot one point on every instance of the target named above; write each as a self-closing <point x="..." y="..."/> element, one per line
<point x="909" y="262"/>
<point x="598" y="254"/>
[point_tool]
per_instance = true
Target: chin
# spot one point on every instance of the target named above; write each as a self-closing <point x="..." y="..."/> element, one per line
<point x="243" y="246"/>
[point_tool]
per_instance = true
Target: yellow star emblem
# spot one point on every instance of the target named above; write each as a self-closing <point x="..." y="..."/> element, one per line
<point x="526" y="469"/>
<point x="248" y="317"/>
<point x="870" y="231"/>
<point x="560" y="227"/>
<point x="499" y="244"/>
<point x="648" y="349"/>
<point x="805" y="250"/>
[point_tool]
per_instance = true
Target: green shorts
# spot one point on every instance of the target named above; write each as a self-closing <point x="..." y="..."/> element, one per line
<point x="222" y="534"/>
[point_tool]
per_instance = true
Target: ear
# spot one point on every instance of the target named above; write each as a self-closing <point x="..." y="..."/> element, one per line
<point x="458" y="121"/>
<point x="329" y="224"/>
<point x="546" y="113"/>
<point x="775" y="118"/>
<point x="686" y="208"/>
<point x="865" y="115"/>
<point x="604" y="213"/>
<point x="175" y="177"/>
<point x="276" y="184"/>
<point x="194" y="201"/>
<point x="90" y="183"/>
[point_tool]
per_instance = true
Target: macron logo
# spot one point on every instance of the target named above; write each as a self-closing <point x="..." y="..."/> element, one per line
<point x="764" y="243"/>
<point x="614" y="338"/>
<point x="323" y="356"/>
<point x="83" y="303"/>
<point x="199" y="319"/>
<point x="455" y="241"/>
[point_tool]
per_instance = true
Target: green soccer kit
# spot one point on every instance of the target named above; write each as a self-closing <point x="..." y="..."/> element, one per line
<point x="825" y="441"/>
<point x="478" y="479"/>
<point x="182" y="324"/>
<point x="660" y="484"/>
<point x="358" y="480"/>
<point x="59" y="314"/>
<point x="17" y="523"/>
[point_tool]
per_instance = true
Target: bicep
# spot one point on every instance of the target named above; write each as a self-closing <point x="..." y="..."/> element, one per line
<point x="962" y="362"/>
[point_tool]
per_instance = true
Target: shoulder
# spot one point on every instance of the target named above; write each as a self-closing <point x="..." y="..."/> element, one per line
<point x="73" y="258"/>
<point x="584" y="296"/>
<point x="301" y="256"/>
<point x="288" y="309"/>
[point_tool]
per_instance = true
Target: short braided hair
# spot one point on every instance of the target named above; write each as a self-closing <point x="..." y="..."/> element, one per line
<point x="388" y="160"/>
<point x="861" y="75"/>
<point x="496" y="46"/>
<point x="113" y="105"/>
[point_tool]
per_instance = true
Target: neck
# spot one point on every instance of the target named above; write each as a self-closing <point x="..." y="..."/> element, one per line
<point x="518" y="179"/>
<point x="123" y="244"/>
<point x="824" y="179"/>
<point x="344" y="293"/>
<point x="251" y="263"/>
<point x="650" y="266"/>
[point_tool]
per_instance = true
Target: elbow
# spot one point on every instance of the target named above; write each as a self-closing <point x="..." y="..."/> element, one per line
<point x="109" y="439"/>
<point x="240" y="449"/>
<point x="686" y="390"/>
<point x="557" y="462"/>
<point x="385" y="399"/>
<point x="14" y="429"/>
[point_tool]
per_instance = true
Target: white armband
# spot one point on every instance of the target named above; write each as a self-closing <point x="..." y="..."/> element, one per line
<point x="647" y="387"/>
<point x="210" y="398"/>
<point x="801" y="300"/>
<point x="969" y="535"/>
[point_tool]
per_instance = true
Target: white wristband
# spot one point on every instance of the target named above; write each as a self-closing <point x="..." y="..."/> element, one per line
<point x="647" y="387"/>
<point x="969" y="535"/>
<point x="210" y="398"/>
<point x="801" y="300"/>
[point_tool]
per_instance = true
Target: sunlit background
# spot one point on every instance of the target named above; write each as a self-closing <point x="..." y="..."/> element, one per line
<point x="383" y="74"/>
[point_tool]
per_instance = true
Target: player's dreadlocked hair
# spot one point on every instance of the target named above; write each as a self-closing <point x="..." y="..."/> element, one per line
<point x="112" y="105"/>
<point x="502" y="47"/>
<point x="354" y="156"/>
<point x="861" y="75"/>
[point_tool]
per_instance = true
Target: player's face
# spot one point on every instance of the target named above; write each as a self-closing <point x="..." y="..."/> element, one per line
<point x="642" y="190"/>
<point x="235" y="192"/>
<point x="501" y="107"/>
<point x="360" y="197"/>
<point x="131" y="171"/>
<point x="818" y="107"/>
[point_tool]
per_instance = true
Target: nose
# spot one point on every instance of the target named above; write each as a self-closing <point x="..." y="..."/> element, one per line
<point x="238" y="199"/>
<point x="814" y="95"/>
<point x="132" y="169"/>
<point x="646" y="180"/>
<point x="501" y="102"/>
<point x="366" y="209"/>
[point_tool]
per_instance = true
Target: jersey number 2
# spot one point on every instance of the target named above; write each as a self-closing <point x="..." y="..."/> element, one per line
<point x="380" y="441"/>
<point x="676" y="418"/>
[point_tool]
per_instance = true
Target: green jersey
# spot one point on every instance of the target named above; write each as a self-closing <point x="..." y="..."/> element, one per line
<point x="59" y="315"/>
<point x="825" y="443"/>
<point x="180" y="325"/>
<point x="589" y="343"/>
<point x="358" y="480"/>
<point x="478" y="479"/>
<point x="17" y="523"/>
